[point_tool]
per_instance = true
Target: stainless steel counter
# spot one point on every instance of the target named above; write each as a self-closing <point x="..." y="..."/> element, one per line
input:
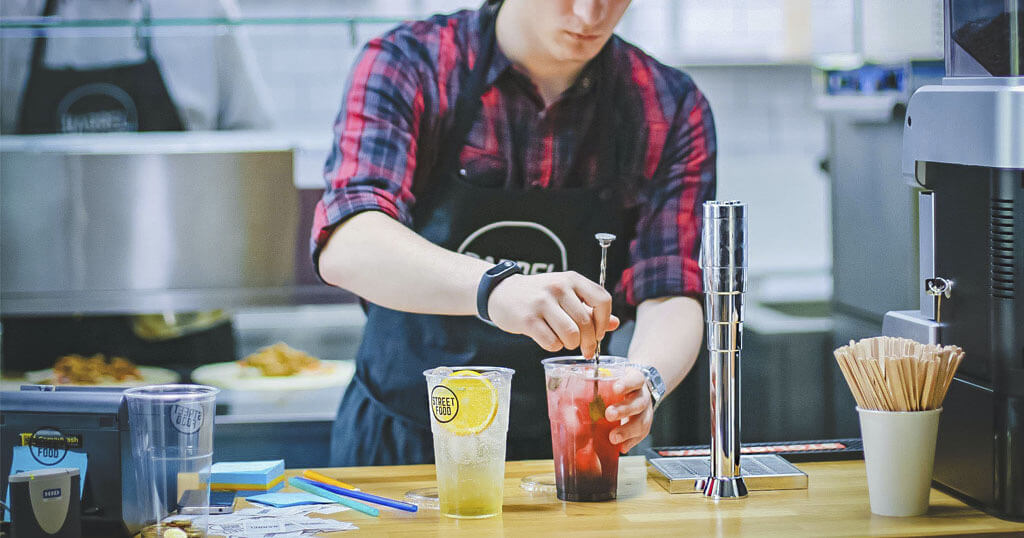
<point x="155" y="222"/>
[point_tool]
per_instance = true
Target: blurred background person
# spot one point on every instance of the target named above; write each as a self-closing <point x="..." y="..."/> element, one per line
<point x="78" y="80"/>
<point x="73" y="80"/>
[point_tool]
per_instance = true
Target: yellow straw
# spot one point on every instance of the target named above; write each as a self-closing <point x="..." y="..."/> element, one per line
<point x="313" y="475"/>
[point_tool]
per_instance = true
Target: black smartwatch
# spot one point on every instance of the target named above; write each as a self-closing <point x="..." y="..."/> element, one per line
<point x="492" y="278"/>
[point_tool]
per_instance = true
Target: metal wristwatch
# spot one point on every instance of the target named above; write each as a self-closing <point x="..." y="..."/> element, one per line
<point x="655" y="385"/>
<point x="492" y="278"/>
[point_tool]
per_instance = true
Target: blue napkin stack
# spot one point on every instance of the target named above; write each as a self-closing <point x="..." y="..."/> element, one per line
<point x="247" y="477"/>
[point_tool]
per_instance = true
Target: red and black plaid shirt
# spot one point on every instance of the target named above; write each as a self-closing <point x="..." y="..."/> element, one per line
<point x="397" y="109"/>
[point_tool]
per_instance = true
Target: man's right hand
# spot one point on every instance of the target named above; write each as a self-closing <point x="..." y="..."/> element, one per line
<point x="557" y="310"/>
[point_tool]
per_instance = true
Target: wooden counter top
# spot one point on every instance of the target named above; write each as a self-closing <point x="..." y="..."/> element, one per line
<point x="836" y="503"/>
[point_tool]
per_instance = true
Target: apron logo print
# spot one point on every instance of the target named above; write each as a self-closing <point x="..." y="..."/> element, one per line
<point x="97" y="108"/>
<point x="443" y="403"/>
<point x="534" y="247"/>
<point x="528" y="268"/>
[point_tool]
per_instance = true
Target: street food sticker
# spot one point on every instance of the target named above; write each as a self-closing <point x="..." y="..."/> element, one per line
<point x="443" y="403"/>
<point x="187" y="418"/>
<point x="49" y="446"/>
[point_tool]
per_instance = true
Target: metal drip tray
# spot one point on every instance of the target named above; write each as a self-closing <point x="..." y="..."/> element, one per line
<point x="760" y="472"/>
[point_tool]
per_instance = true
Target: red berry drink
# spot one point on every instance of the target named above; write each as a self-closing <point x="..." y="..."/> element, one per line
<point x="586" y="461"/>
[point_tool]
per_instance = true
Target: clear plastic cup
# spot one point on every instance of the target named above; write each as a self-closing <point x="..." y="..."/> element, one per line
<point x="172" y="448"/>
<point x="586" y="461"/>
<point x="469" y="439"/>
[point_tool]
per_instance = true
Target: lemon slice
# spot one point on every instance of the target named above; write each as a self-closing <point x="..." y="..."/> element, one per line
<point x="477" y="402"/>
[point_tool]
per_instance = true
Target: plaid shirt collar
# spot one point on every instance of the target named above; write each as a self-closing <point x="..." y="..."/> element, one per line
<point x="501" y="64"/>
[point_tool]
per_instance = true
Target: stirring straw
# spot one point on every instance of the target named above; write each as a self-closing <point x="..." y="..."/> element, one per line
<point x="605" y="240"/>
<point x="362" y="496"/>
<point x="317" y="477"/>
<point x="597" y="406"/>
<point x="304" y="485"/>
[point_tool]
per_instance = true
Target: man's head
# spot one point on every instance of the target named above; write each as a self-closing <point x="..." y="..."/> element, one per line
<point x="572" y="30"/>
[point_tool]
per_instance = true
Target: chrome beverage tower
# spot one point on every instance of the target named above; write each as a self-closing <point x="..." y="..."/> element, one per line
<point x="724" y="263"/>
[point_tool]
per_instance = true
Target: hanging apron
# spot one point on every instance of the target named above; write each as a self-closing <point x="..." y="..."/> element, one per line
<point x="124" y="98"/>
<point x="383" y="418"/>
<point x="112" y="99"/>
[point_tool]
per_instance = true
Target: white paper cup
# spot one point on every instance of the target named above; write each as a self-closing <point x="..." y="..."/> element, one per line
<point x="899" y="452"/>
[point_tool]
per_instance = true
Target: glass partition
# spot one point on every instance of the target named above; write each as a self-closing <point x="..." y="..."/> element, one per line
<point x="269" y="64"/>
<point x="220" y="73"/>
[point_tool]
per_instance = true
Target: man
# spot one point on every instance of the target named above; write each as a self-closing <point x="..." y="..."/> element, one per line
<point x="515" y="132"/>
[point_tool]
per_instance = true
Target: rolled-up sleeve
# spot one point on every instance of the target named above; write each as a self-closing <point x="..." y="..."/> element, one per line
<point x="373" y="156"/>
<point x="664" y="253"/>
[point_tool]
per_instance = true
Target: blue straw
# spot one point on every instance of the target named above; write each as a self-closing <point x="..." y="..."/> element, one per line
<point x="317" y="490"/>
<point x="366" y="497"/>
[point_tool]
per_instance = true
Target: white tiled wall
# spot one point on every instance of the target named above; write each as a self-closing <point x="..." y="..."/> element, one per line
<point x="770" y="137"/>
<point x="770" y="141"/>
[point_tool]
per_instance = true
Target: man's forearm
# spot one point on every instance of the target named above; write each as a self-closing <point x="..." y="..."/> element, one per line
<point x="668" y="335"/>
<point x="386" y="263"/>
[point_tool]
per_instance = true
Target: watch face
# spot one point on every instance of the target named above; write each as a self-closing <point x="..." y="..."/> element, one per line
<point x="656" y="385"/>
<point x="502" y="268"/>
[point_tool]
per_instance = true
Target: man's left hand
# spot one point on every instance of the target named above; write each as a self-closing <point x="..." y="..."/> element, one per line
<point x="635" y="408"/>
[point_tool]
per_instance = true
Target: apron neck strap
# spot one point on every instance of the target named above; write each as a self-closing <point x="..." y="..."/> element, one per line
<point x="603" y="134"/>
<point x="468" y="104"/>
<point x="39" y="40"/>
<point x="50" y="9"/>
<point x="143" y="30"/>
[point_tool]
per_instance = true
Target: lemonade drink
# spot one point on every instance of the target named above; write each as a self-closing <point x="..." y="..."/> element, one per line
<point x="469" y="420"/>
<point x="586" y="461"/>
<point x="470" y="485"/>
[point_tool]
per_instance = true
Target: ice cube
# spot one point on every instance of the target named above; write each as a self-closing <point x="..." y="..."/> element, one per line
<point x="460" y="448"/>
<point x="578" y="388"/>
<point x="571" y="419"/>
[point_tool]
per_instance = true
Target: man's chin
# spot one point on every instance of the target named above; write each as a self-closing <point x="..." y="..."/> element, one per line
<point x="576" y="52"/>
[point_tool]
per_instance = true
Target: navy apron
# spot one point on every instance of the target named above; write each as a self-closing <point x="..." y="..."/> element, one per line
<point x="383" y="418"/>
<point x="112" y="99"/>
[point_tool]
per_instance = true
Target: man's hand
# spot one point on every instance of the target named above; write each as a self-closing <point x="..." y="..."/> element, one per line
<point x="635" y="411"/>
<point x="556" y="310"/>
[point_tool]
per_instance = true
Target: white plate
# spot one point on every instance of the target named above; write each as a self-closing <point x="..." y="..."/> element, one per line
<point x="151" y="375"/>
<point x="230" y="375"/>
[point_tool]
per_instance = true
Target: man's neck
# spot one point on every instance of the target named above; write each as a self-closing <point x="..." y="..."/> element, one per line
<point x="552" y="77"/>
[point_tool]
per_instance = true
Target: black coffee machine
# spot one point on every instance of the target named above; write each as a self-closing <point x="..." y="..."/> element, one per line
<point x="963" y="142"/>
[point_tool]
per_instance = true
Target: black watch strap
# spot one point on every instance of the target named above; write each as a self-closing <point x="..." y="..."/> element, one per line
<point x="489" y="281"/>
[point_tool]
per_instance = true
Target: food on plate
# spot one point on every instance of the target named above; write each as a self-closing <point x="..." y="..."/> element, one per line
<point x="94" y="370"/>
<point x="280" y="360"/>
